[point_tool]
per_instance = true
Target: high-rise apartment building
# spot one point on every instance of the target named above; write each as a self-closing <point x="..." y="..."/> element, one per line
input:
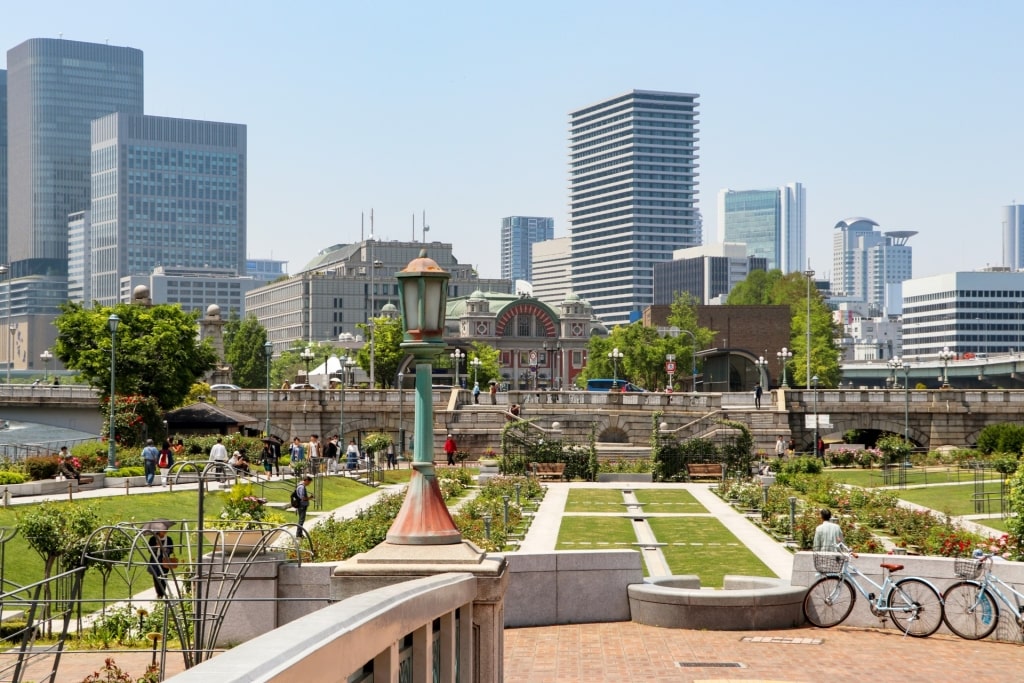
<point x="55" y="89"/>
<point x="165" y="192"/>
<point x="772" y="223"/>
<point x="869" y="265"/>
<point x="1013" y="236"/>
<point x="518" y="233"/>
<point x="633" y="185"/>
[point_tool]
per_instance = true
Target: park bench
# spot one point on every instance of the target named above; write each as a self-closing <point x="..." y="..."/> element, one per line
<point x="705" y="470"/>
<point x="548" y="470"/>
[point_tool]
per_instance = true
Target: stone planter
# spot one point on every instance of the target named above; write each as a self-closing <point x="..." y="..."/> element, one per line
<point x="488" y="470"/>
<point x="239" y="541"/>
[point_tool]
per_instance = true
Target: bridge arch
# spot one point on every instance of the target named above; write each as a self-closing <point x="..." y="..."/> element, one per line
<point x="877" y="422"/>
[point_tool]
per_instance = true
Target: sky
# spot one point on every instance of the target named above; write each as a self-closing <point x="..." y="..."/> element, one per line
<point x="906" y="113"/>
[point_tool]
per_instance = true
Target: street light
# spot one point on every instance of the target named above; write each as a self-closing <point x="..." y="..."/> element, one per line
<point x="424" y="518"/>
<point x="559" y="366"/>
<point x="615" y="355"/>
<point x="46" y="357"/>
<point x="350" y="370"/>
<point x="112" y="323"/>
<point x="784" y="355"/>
<point x="895" y="363"/>
<point x="906" y="403"/>
<point x="374" y="265"/>
<point x="457" y="355"/>
<point x="4" y="270"/>
<point x="476" y="363"/>
<point x="945" y="355"/>
<point x="268" y="351"/>
<point x="814" y="383"/>
<point x="762" y="372"/>
<point x="343" y="366"/>
<point x="810" y="275"/>
<point x="307" y="356"/>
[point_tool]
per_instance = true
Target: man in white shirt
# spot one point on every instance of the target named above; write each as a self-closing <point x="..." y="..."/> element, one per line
<point x="219" y="455"/>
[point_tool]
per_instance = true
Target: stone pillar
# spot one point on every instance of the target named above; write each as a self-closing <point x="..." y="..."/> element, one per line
<point x="388" y="564"/>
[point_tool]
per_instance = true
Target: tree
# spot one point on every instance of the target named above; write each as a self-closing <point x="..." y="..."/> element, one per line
<point x="774" y="288"/>
<point x="158" y="350"/>
<point x="490" y="365"/>
<point x="644" y="349"/>
<point x="387" y="350"/>
<point x="243" y="351"/>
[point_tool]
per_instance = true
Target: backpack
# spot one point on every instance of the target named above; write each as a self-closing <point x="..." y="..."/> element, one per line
<point x="296" y="500"/>
<point x="164" y="460"/>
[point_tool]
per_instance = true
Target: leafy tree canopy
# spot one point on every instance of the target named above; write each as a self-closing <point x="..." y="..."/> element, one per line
<point x="490" y="366"/>
<point x="644" y="349"/>
<point x="387" y="350"/>
<point x="774" y="288"/>
<point x="243" y="351"/>
<point x="158" y="350"/>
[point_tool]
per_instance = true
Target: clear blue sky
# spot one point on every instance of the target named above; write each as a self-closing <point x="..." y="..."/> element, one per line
<point x="907" y="113"/>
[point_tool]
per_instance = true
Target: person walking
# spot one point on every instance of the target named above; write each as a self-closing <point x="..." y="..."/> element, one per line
<point x="476" y="392"/>
<point x="828" y="535"/>
<point x="780" y="447"/>
<point x="303" y="497"/>
<point x="352" y="456"/>
<point x="150" y="455"/>
<point x="165" y="462"/>
<point x="161" y="560"/>
<point x="757" y="395"/>
<point x="219" y="456"/>
<point x="297" y="456"/>
<point x="331" y="454"/>
<point x="820" y="448"/>
<point x="494" y="393"/>
<point x="391" y="459"/>
<point x="450" y="449"/>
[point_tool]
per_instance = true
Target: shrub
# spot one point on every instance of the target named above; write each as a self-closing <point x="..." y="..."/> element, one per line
<point x="8" y="477"/>
<point x="1001" y="438"/>
<point x="40" y="467"/>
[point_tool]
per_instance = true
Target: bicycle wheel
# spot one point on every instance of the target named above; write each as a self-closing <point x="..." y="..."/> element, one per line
<point x="971" y="612"/>
<point x="915" y="607"/>
<point x="828" y="601"/>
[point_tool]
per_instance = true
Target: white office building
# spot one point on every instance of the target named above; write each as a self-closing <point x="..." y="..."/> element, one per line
<point x="633" y="186"/>
<point x="1013" y="236"/>
<point x="869" y="265"/>
<point x="969" y="312"/>
<point x="552" y="270"/>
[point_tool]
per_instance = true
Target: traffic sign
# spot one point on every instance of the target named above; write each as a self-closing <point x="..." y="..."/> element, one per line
<point x="533" y="357"/>
<point x="670" y="367"/>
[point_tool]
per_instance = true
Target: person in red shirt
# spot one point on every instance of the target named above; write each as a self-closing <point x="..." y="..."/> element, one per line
<point x="450" y="448"/>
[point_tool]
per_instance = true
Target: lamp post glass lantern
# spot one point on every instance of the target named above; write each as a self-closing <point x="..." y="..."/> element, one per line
<point x="112" y="322"/>
<point x="895" y="363"/>
<point x="762" y="370"/>
<point x="476" y="366"/>
<point x="945" y="355"/>
<point x="307" y="357"/>
<point x="424" y="518"/>
<point x="401" y="415"/>
<point x="810" y="275"/>
<point x="814" y="384"/>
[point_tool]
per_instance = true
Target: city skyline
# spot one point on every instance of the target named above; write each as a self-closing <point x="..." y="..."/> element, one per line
<point x="406" y="111"/>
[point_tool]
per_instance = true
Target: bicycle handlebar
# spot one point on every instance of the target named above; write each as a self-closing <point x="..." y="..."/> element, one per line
<point x="843" y="548"/>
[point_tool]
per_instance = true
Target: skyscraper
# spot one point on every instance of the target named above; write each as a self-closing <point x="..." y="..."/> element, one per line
<point x="1013" y="236"/>
<point x="870" y="266"/>
<point x="55" y="89"/>
<point x="771" y="223"/>
<point x="633" y="184"/>
<point x="166" y="192"/>
<point x="518" y="233"/>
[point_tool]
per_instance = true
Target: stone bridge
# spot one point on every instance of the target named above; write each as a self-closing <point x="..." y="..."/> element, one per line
<point x="931" y="417"/>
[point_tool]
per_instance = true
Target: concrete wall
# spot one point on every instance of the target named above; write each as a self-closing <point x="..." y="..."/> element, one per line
<point x="570" y="587"/>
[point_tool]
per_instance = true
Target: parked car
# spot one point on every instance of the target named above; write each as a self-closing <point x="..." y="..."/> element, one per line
<point x="303" y="386"/>
<point x="225" y="386"/>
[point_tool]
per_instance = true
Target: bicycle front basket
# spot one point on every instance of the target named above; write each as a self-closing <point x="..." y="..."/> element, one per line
<point x="828" y="563"/>
<point x="967" y="567"/>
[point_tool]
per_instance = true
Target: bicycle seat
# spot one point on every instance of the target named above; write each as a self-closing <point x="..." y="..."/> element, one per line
<point x="891" y="567"/>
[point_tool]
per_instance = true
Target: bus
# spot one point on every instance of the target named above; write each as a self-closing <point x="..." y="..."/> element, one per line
<point x="611" y="385"/>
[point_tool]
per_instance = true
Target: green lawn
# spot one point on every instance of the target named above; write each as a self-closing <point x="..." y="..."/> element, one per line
<point x="997" y="523"/>
<point x="703" y="546"/>
<point x="592" y="533"/>
<point x="23" y="566"/>
<point x="952" y="500"/>
<point x="595" y="500"/>
<point x="668" y="500"/>
<point x="915" y="476"/>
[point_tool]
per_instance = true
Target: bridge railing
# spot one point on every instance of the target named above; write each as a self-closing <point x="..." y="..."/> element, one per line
<point x="22" y="393"/>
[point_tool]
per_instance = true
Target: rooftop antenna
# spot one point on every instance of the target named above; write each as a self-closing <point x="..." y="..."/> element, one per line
<point x="426" y="228"/>
<point x="362" y="219"/>
<point x="371" y="224"/>
<point x="414" y="226"/>
<point x="60" y="35"/>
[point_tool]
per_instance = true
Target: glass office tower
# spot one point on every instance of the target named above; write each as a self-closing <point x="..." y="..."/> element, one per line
<point x="165" y="192"/>
<point x="633" y="185"/>
<point x="55" y="89"/>
<point x="518" y="235"/>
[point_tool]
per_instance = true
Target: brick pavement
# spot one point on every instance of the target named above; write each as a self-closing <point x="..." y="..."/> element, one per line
<point x="625" y="652"/>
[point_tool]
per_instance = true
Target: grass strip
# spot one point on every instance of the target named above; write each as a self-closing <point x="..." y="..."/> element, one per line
<point x="703" y="546"/>
<point x="595" y="500"/>
<point x="951" y="500"/>
<point x="667" y="500"/>
<point x="591" y="533"/>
